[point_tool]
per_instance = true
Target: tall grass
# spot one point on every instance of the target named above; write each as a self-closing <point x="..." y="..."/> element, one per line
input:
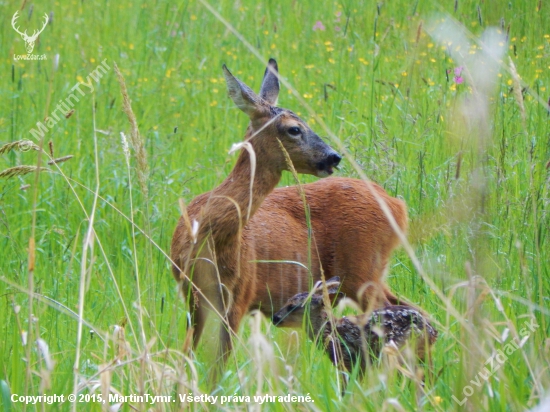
<point x="87" y="299"/>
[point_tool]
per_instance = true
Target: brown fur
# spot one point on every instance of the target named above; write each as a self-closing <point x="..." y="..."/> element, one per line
<point x="352" y="239"/>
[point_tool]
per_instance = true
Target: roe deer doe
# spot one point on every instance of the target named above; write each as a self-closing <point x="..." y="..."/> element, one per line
<point x="348" y="339"/>
<point x="213" y="252"/>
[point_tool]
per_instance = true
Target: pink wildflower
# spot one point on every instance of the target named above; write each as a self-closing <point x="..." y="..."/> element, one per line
<point x="457" y="77"/>
<point x="319" y="26"/>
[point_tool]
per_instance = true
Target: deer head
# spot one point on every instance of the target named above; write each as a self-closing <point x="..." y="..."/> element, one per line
<point x="272" y="127"/>
<point x="293" y="312"/>
<point x="29" y="40"/>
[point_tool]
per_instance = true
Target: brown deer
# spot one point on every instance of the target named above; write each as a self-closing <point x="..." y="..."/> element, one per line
<point x="279" y="252"/>
<point x="210" y="247"/>
<point x="352" y="339"/>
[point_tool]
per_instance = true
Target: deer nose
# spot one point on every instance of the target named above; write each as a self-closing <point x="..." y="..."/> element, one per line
<point x="330" y="161"/>
<point x="334" y="159"/>
<point x="276" y="319"/>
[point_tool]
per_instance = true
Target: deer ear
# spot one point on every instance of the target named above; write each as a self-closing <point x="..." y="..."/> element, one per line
<point x="243" y="97"/>
<point x="333" y="283"/>
<point x="334" y="280"/>
<point x="270" y="84"/>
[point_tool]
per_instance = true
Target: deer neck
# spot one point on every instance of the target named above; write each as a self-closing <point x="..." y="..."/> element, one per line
<point x="234" y="202"/>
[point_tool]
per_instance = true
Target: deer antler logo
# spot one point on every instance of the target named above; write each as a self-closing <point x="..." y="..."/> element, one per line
<point x="30" y="40"/>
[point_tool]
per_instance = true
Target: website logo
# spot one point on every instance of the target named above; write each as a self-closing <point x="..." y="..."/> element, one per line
<point x="29" y="40"/>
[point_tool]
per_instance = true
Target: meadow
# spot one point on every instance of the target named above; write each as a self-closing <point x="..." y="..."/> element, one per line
<point x="459" y="131"/>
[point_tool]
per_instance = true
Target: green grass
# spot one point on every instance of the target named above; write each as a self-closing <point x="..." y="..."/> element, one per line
<point x="482" y="241"/>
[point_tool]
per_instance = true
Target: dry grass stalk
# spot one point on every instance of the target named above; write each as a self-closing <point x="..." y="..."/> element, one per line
<point x="262" y="353"/>
<point x="21" y="145"/>
<point x="517" y="91"/>
<point x="60" y="159"/>
<point x="21" y="170"/>
<point x="137" y="142"/>
<point x="323" y="280"/>
<point x="125" y="148"/>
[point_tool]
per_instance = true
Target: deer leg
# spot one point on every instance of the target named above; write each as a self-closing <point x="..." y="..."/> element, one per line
<point x="199" y="315"/>
<point x="226" y="343"/>
<point x="202" y="292"/>
<point x="371" y="296"/>
<point x="228" y="325"/>
<point x="230" y="328"/>
<point x="390" y="298"/>
<point x="198" y="310"/>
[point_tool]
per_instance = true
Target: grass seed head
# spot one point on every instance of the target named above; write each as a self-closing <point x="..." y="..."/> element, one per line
<point x="21" y="170"/>
<point x="20" y="145"/>
<point x="135" y="138"/>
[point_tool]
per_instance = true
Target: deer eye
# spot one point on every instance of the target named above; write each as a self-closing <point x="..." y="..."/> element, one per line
<point x="294" y="131"/>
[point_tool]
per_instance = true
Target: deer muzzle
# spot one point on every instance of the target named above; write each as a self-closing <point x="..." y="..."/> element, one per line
<point x="326" y="166"/>
<point x="276" y="319"/>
